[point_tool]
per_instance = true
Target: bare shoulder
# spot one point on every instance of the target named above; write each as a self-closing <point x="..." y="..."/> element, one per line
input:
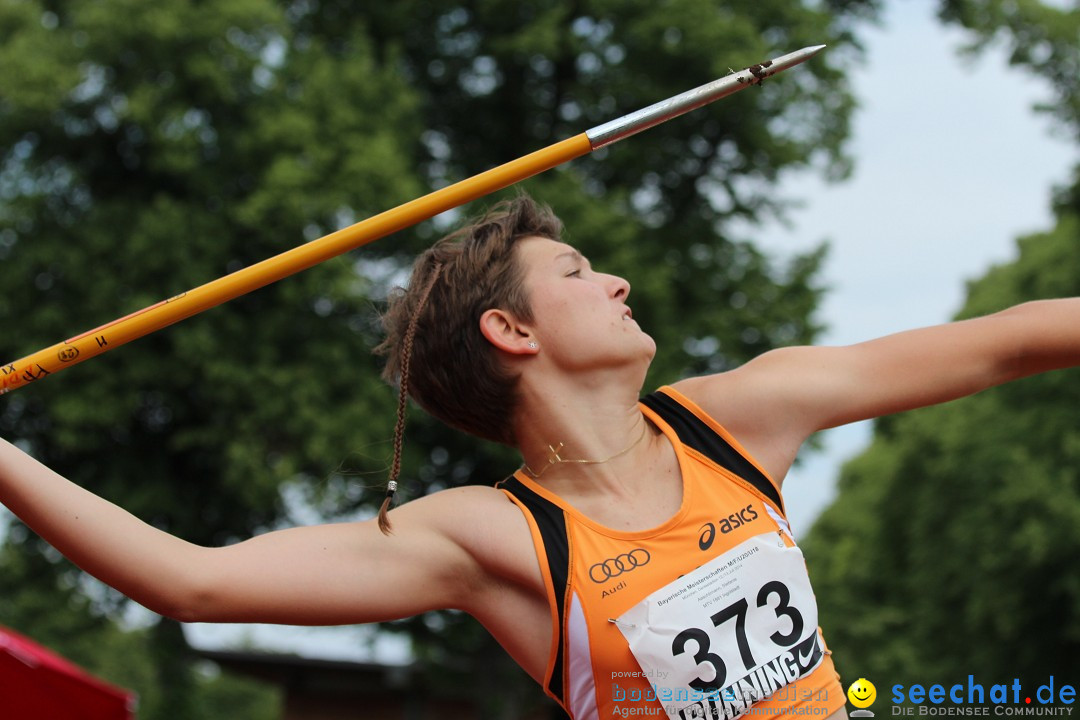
<point x="472" y="512"/>
<point x="488" y="526"/>
<point x="505" y="590"/>
<point x="752" y="396"/>
<point x="758" y="406"/>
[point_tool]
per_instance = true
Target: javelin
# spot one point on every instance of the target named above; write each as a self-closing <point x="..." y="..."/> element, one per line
<point x="143" y="322"/>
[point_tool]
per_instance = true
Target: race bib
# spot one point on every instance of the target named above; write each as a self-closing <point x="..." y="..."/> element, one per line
<point x="730" y="633"/>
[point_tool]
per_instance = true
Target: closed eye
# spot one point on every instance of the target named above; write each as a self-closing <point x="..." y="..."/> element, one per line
<point x="573" y="273"/>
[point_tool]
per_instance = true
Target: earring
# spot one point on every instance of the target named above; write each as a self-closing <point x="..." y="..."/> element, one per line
<point x="533" y="345"/>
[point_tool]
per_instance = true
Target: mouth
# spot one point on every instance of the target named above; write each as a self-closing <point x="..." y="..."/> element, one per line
<point x="628" y="315"/>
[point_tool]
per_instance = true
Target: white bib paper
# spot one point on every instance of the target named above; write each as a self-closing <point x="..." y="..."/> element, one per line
<point x="730" y="633"/>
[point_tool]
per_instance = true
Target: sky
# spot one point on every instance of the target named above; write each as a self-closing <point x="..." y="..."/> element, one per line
<point x="951" y="166"/>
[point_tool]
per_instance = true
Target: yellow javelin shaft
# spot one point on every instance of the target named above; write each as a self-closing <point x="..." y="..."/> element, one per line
<point x="143" y="322"/>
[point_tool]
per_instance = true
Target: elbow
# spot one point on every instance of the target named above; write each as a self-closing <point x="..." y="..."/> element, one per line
<point x="187" y="606"/>
<point x="180" y="613"/>
<point x="173" y="605"/>
<point x="186" y="597"/>
<point x="199" y="599"/>
<point x="1029" y="342"/>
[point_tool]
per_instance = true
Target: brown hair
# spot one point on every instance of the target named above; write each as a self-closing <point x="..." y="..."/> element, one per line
<point x="455" y="373"/>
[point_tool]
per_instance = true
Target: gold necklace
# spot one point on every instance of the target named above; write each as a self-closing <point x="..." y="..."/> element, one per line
<point x="555" y="459"/>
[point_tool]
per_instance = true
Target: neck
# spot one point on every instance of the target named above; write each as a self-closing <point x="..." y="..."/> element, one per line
<point x="599" y="422"/>
<point x="555" y="456"/>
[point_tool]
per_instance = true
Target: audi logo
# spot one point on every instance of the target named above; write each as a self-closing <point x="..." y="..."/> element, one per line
<point x="613" y="567"/>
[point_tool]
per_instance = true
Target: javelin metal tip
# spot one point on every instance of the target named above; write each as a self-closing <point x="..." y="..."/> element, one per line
<point x="657" y="113"/>
<point x="793" y="58"/>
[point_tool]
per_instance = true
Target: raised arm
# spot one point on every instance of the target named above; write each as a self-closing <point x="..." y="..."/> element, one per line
<point x="329" y="574"/>
<point x="773" y="403"/>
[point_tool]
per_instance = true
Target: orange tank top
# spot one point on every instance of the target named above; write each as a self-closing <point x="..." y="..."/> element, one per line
<point x="611" y="593"/>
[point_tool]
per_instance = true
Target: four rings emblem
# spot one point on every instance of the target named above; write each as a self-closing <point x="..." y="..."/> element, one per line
<point x="613" y="567"/>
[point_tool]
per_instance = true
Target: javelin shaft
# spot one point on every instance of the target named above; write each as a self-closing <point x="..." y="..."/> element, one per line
<point x="123" y="330"/>
<point x="143" y="322"/>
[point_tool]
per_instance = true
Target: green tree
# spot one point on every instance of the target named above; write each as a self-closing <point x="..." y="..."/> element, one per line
<point x="1040" y="36"/>
<point x="149" y="148"/>
<point x="64" y="618"/>
<point x="958" y="526"/>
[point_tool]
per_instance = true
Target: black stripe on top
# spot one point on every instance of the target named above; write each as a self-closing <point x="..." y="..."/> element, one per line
<point x="551" y="521"/>
<point x="693" y="431"/>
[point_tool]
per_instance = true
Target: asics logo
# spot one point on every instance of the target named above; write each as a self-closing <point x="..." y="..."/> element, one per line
<point x="613" y="567"/>
<point x="735" y="520"/>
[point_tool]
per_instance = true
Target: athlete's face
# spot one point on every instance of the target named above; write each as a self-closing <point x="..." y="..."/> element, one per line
<point x="580" y="316"/>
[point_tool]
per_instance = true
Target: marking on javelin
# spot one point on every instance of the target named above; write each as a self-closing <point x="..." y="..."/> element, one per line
<point x="117" y="321"/>
<point x="29" y="376"/>
<point x="67" y="354"/>
<point x="9" y="380"/>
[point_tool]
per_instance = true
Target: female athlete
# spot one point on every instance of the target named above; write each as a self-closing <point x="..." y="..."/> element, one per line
<point x="639" y="562"/>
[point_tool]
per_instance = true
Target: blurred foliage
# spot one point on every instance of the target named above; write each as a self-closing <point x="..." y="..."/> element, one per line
<point x="951" y="549"/>
<point x="63" y="618"/>
<point x="1040" y="36"/>
<point x="151" y="147"/>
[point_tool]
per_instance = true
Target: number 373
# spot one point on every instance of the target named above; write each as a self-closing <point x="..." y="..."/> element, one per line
<point x="738" y="611"/>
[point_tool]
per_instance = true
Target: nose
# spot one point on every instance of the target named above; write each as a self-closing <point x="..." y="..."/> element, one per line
<point x="618" y="287"/>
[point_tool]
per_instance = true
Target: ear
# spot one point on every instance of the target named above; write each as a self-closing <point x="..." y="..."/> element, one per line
<point x="504" y="332"/>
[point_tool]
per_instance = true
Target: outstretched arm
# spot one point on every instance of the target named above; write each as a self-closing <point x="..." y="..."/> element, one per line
<point x="330" y="574"/>
<point x="773" y="403"/>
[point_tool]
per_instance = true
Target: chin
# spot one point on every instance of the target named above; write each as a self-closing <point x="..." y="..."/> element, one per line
<point x="648" y="352"/>
<point x="650" y="345"/>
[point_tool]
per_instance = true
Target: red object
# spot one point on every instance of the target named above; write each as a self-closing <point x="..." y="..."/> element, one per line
<point x="38" y="684"/>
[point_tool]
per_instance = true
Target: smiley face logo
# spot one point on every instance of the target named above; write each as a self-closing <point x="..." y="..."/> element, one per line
<point x="862" y="693"/>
